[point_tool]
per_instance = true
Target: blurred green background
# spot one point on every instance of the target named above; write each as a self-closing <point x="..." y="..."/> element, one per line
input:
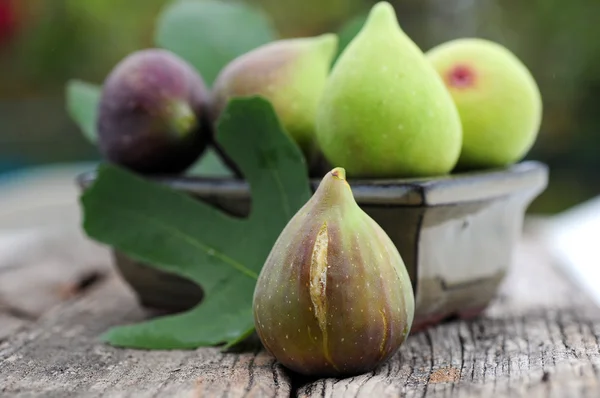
<point x="43" y="43"/>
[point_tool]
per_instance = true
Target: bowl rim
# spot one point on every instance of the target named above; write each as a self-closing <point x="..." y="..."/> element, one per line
<point x="526" y="176"/>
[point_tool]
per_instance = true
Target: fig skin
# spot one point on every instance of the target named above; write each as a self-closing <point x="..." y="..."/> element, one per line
<point x="291" y="74"/>
<point x="153" y="113"/>
<point x="498" y="99"/>
<point x="385" y="112"/>
<point x="334" y="297"/>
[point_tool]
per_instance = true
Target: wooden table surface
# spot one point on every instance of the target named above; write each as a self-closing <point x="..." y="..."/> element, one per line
<point x="538" y="339"/>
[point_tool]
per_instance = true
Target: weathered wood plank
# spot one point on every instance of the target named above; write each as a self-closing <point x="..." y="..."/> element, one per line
<point x="39" y="269"/>
<point x="539" y="339"/>
<point x="45" y="257"/>
<point x="61" y="356"/>
<point x="9" y="324"/>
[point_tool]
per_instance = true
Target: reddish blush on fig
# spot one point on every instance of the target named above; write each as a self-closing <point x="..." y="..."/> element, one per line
<point x="461" y="76"/>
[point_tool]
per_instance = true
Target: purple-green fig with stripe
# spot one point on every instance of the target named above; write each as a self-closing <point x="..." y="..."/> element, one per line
<point x="153" y="113"/>
<point x="334" y="297"/>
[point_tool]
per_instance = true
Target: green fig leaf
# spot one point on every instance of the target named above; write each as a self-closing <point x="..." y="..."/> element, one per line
<point x="173" y="232"/>
<point x="82" y="106"/>
<point x="210" y="33"/>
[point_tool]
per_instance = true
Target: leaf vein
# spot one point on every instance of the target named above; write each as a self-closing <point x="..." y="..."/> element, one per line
<point x="190" y="240"/>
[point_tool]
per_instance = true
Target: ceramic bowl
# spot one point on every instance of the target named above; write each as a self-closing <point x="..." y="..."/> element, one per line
<point x="456" y="234"/>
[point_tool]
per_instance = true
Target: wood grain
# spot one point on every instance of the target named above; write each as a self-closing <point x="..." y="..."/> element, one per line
<point x="539" y="339"/>
<point x="9" y="324"/>
<point x="62" y="356"/>
<point x="41" y="268"/>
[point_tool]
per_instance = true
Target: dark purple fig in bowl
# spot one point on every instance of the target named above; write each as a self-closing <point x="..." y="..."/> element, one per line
<point x="334" y="297"/>
<point x="153" y="113"/>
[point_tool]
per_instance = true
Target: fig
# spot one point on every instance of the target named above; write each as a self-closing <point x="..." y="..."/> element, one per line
<point x="385" y="111"/>
<point x="153" y="113"/>
<point x="497" y="98"/>
<point x="334" y="297"/>
<point x="291" y="74"/>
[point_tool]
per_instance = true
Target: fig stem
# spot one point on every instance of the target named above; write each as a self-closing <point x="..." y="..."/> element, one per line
<point x="339" y="173"/>
<point x="183" y="120"/>
<point x="231" y="165"/>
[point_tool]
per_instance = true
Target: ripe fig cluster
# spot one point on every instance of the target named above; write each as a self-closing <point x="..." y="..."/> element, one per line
<point x="334" y="297"/>
<point x="385" y="109"/>
<point x="157" y="115"/>
<point x="388" y="110"/>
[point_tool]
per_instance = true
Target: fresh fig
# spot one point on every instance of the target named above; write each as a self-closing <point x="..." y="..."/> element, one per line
<point x="334" y="297"/>
<point x="499" y="102"/>
<point x="153" y="113"/>
<point x="291" y="74"/>
<point x="385" y="112"/>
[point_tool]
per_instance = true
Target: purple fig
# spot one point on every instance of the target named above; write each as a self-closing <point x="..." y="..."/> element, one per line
<point x="153" y="113"/>
<point x="334" y="297"/>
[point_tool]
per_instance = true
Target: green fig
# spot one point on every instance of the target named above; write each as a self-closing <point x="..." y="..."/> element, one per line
<point x="385" y="112"/>
<point x="498" y="100"/>
<point x="290" y="73"/>
<point x="153" y="113"/>
<point x="334" y="297"/>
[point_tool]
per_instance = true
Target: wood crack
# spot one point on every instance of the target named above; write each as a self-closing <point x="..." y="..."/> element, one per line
<point x="251" y="372"/>
<point x="431" y="363"/>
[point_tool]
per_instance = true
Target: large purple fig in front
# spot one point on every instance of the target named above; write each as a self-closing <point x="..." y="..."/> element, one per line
<point x="153" y="113"/>
<point x="334" y="297"/>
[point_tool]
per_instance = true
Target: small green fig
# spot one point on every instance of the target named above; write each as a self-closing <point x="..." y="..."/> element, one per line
<point x="498" y="100"/>
<point x="153" y="113"/>
<point x="334" y="297"/>
<point x="290" y="73"/>
<point x="385" y="112"/>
